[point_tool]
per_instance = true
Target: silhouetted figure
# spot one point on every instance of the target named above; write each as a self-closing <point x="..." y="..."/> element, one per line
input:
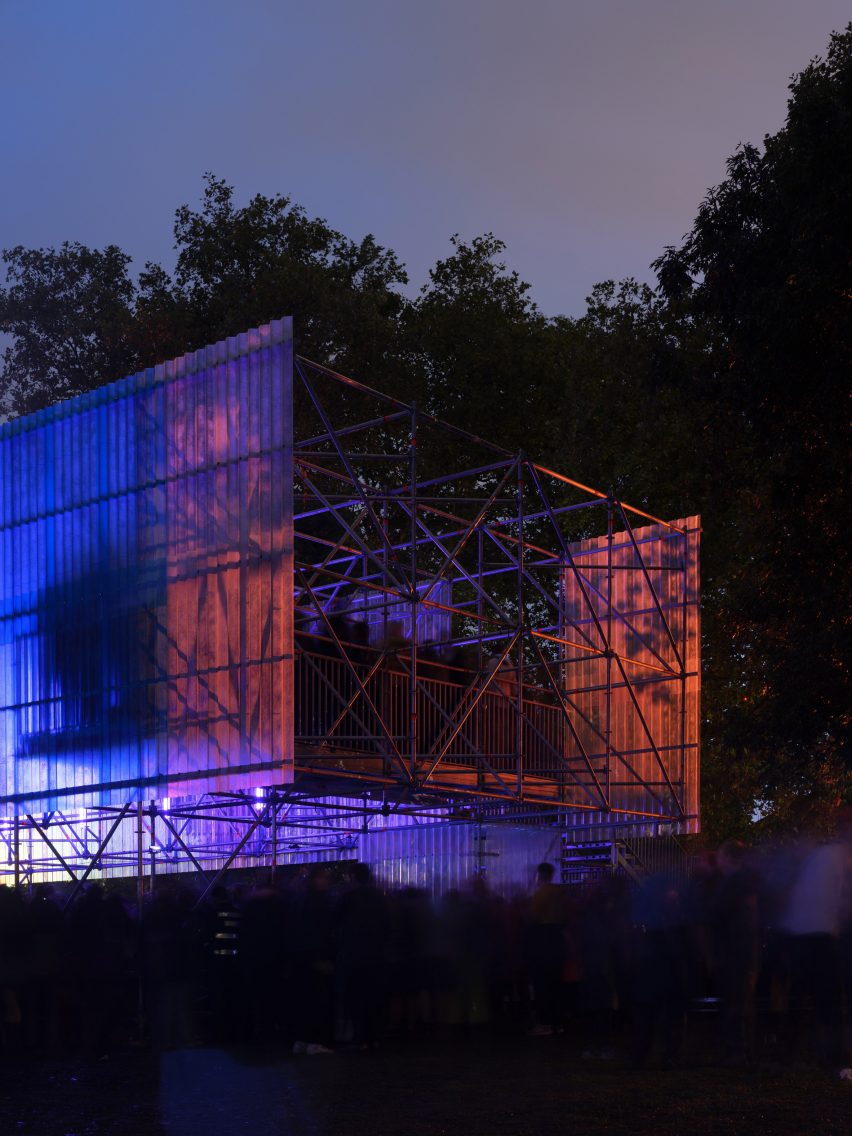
<point x="411" y="918"/>
<point x="546" y="949"/>
<point x="263" y="932"/>
<point x="735" y="927"/>
<point x="220" y="923"/>
<point x="599" y="934"/>
<point x="169" y="963"/>
<point x="14" y="966"/>
<point x="815" y="916"/>
<point x="661" y="953"/>
<point x="46" y="934"/>
<point x="361" y="920"/>
<point x="101" y="938"/>
<point x="312" y="965"/>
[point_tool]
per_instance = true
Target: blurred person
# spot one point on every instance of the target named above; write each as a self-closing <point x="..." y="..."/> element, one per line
<point x="735" y="930"/>
<point x="816" y="912"/>
<point x="361" y="926"/>
<point x="546" y="949"/>
<point x="15" y="957"/>
<point x="312" y="965"/>
<point x="410" y="918"/>
<point x="167" y="970"/>
<point x="776" y="866"/>
<point x="661" y="970"/>
<point x="46" y="937"/>
<point x="601" y="932"/>
<point x="220" y="923"/>
<point x="263" y="932"/>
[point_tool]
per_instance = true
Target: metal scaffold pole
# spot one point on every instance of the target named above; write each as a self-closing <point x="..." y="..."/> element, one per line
<point x="519" y="692"/>
<point x="140" y="858"/>
<point x="16" y="850"/>
<point x="412" y="682"/>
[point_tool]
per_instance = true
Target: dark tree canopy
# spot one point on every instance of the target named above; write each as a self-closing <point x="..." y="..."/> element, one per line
<point x="238" y="267"/>
<point x="69" y="313"/>
<point x="767" y="270"/>
<point x="473" y="338"/>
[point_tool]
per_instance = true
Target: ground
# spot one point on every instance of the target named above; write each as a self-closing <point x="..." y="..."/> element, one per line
<point x="481" y="1086"/>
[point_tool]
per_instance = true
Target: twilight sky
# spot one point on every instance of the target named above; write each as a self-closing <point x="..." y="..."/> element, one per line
<point x="584" y="133"/>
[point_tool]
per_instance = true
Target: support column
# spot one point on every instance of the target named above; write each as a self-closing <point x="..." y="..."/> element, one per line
<point x="412" y="682"/>
<point x="274" y="836"/>
<point x="140" y="859"/>
<point x="140" y="899"/>
<point x="608" y="719"/>
<point x="153" y="815"/>
<point x="519" y="743"/>
<point x="16" y="850"/>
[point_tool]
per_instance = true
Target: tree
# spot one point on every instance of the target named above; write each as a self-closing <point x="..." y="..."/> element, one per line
<point x="69" y="312"/>
<point x="475" y="342"/>
<point x="77" y="319"/>
<point x="238" y="267"/>
<point x="767" y="271"/>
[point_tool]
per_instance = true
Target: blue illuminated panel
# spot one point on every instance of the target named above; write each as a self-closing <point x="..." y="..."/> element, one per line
<point x="146" y="642"/>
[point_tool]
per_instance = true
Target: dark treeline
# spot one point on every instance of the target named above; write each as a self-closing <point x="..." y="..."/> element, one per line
<point x="325" y="959"/>
<point x="721" y="391"/>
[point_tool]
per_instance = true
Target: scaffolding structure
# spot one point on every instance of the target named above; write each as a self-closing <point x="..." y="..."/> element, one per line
<point x="475" y="638"/>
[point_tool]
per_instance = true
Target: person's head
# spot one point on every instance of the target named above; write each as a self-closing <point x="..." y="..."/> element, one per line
<point x="544" y="872"/>
<point x="319" y="878"/>
<point x="361" y="875"/>
<point x="731" y="857"/>
<point x="843" y="823"/>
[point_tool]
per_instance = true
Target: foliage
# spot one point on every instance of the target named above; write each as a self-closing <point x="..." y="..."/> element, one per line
<point x="473" y="339"/>
<point x="239" y="267"/>
<point x="766" y="269"/>
<point x="69" y="314"/>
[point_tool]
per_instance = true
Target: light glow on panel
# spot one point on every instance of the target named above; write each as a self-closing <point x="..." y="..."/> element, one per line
<point x="146" y="638"/>
<point x="632" y="609"/>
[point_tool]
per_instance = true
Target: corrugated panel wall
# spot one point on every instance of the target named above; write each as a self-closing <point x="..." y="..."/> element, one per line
<point x="439" y="858"/>
<point x="639" y="612"/>
<point x="427" y="853"/>
<point x="145" y="583"/>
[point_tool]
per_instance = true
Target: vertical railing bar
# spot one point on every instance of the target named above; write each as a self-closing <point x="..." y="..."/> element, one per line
<point x="519" y="693"/>
<point x="609" y="646"/>
<point x="412" y="681"/>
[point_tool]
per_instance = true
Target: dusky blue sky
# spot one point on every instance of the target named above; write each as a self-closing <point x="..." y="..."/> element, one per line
<point x="584" y="133"/>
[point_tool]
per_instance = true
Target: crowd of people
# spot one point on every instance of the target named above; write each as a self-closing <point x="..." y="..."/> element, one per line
<point x="326" y="959"/>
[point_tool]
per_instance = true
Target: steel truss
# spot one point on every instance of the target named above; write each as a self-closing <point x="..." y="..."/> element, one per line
<point x="460" y="648"/>
<point x="390" y="507"/>
<point x="211" y="834"/>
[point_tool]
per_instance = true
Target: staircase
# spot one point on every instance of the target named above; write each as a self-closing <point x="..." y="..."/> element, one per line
<point x="588" y="861"/>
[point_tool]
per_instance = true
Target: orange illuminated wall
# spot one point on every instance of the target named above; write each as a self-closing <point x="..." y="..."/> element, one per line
<point x="632" y="667"/>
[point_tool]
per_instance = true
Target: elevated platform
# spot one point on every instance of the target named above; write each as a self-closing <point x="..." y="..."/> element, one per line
<point x="242" y="577"/>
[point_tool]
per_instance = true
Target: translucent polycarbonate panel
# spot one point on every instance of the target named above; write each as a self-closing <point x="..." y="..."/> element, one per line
<point x="632" y="670"/>
<point x="146" y="560"/>
<point x="403" y="851"/>
<point x="445" y="857"/>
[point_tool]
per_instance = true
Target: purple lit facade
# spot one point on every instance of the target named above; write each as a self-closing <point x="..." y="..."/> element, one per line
<point x="146" y="642"/>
